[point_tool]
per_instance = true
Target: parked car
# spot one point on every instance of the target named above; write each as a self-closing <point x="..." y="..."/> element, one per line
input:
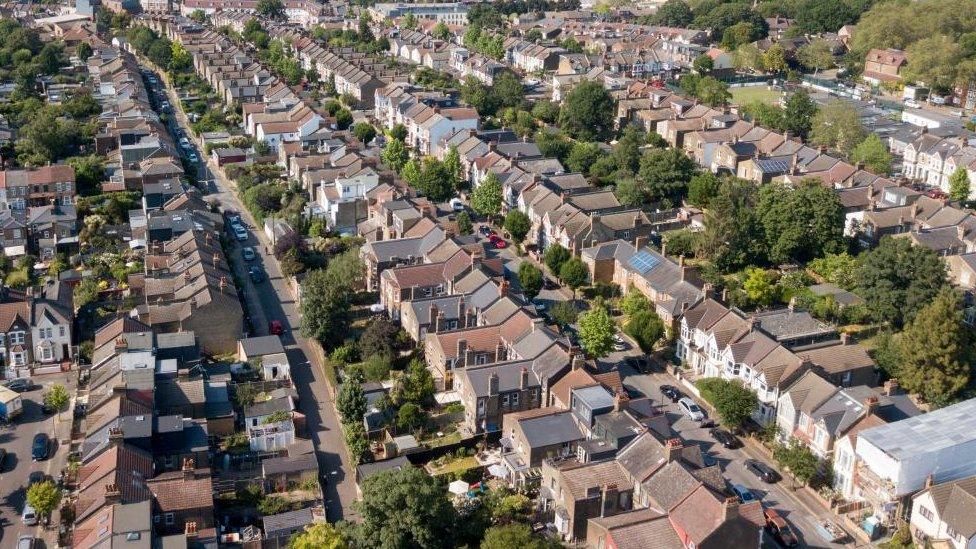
<point x="35" y="477"/>
<point x="618" y="343"/>
<point x="500" y="244"/>
<point x="377" y="308"/>
<point x="639" y="363"/>
<point x="80" y="410"/>
<point x="29" y="516"/>
<point x="671" y="392"/>
<point x="275" y="328"/>
<point x="40" y="446"/>
<point x="457" y="205"/>
<point x="692" y="410"/>
<point x="20" y="385"/>
<point x="485" y="230"/>
<point x="256" y="273"/>
<point x="248" y="254"/>
<point x="743" y="493"/>
<point x="779" y="529"/>
<point x="3" y="458"/>
<point x="192" y="157"/>
<point x="240" y="233"/>
<point x="725" y="438"/>
<point x="25" y="542"/>
<point x="764" y="472"/>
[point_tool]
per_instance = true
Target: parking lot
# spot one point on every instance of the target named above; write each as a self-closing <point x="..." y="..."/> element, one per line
<point x="16" y="438"/>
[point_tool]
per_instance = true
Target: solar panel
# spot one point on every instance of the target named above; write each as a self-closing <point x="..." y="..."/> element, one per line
<point x="643" y="261"/>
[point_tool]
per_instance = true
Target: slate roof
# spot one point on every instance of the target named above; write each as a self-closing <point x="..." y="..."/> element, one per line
<point x="547" y="430"/>
<point x="262" y="345"/>
<point x="955" y="502"/>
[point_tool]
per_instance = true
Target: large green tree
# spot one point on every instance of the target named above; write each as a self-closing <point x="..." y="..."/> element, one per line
<point x="666" y="173"/>
<point x="799" y="112"/>
<point x="934" y="350"/>
<point x="733" y="402"/>
<point x="674" y="13"/>
<point x="351" y="401"/>
<point x="874" y="154"/>
<point x="517" y="223"/>
<point x="487" y="197"/>
<point x="896" y="279"/>
<point x="320" y="535"/>
<point x="510" y="536"/>
<point x="404" y="508"/>
<point x="588" y="112"/>
<point x="530" y="279"/>
<point x="801" y="222"/>
<point x="733" y="234"/>
<point x="573" y="273"/>
<point x="596" y="330"/>
<point x="837" y="125"/>
<point x="44" y="497"/>
<point x="959" y="184"/>
<point x="646" y="327"/>
<point x="395" y="154"/>
<point x="325" y="308"/>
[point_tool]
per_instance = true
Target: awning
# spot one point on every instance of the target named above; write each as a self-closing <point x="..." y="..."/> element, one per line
<point x="498" y="470"/>
<point x="458" y="487"/>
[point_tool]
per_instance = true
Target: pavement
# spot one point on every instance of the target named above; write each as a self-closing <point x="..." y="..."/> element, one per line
<point x="792" y="505"/>
<point x="16" y="438"/>
<point x="273" y="300"/>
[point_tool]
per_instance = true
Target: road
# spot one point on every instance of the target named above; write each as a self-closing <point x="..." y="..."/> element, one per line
<point x="273" y="300"/>
<point x="732" y="462"/>
<point x="16" y="439"/>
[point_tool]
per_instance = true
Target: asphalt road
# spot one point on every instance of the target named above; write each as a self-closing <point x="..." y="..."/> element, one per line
<point x="273" y="300"/>
<point x="732" y="462"/>
<point x="16" y="438"/>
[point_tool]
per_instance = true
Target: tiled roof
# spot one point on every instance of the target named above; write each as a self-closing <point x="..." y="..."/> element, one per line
<point x="176" y="491"/>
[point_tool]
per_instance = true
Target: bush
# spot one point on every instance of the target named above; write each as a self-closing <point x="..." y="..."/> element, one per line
<point x="634" y="302"/>
<point x="376" y="368"/>
<point x="646" y="328"/>
<point x="346" y="353"/>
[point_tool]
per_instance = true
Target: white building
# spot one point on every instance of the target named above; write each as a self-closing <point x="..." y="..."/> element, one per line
<point x="337" y="201"/>
<point x="946" y="513"/>
<point x="895" y="460"/>
<point x="450" y="13"/>
<point x="267" y="428"/>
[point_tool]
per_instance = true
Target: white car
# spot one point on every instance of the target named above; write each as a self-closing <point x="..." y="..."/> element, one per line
<point x="29" y="516"/>
<point x="618" y="343"/>
<point x="692" y="410"/>
<point x="457" y="205"/>
<point x="240" y="233"/>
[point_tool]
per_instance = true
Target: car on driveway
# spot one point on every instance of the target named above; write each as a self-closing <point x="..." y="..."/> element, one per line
<point x="692" y="410"/>
<point x="485" y="230"/>
<point x="743" y="493"/>
<point x="275" y="328"/>
<point x="618" y="343"/>
<point x="725" y="438"/>
<point x="779" y="529"/>
<point x="499" y="243"/>
<point x="40" y="447"/>
<point x="29" y="516"/>
<point x="19" y="385"/>
<point x="248" y="254"/>
<point x="240" y="233"/>
<point x="25" y="542"/>
<point x="671" y="392"/>
<point x="762" y="471"/>
<point x="256" y="273"/>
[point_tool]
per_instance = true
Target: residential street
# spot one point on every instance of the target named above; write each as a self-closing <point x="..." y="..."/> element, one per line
<point x="273" y="300"/>
<point x="16" y="439"/>
<point x="776" y="495"/>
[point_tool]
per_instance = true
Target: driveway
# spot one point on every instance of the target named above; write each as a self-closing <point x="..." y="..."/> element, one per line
<point x="273" y="300"/>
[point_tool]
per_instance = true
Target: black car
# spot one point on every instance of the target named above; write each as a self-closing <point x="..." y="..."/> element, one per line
<point x="764" y="472"/>
<point x="485" y="230"/>
<point x="639" y="363"/>
<point x="35" y="477"/>
<point x="725" y="438"/>
<point x="47" y="409"/>
<point x="256" y="273"/>
<point x="671" y="392"/>
<point x="19" y="385"/>
<point x="3" y="458"/>
<point x="549" y="284"/>
<point x="40" y="447"/>
<point x="80" y="410"/>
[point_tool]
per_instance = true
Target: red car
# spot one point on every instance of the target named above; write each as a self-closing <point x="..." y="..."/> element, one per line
<point x="499" y="243"/>
<point x="275" y="328"/>
<point x="779" y="529"/>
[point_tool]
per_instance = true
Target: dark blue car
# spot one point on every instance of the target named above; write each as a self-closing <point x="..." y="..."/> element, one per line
<point x="40" y="447"/>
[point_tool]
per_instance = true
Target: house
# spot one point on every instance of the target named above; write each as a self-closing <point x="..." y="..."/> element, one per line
<point x="366" y="470"/>
<point x="279" y="529"/>
<point x="943" y="514"/>
<point x="270" y="423"/>
<point x="183" y="504"/>
<point x="531" y="436"/>
<point x="575" y="493"/>
<point x="177" y="439"/>
<point x="298" y="466"/>
<point x="884" y="65"/>
<point x="20" y="189"/>
<point x="267" y="355"/>
<point x="895" y="460"/>
<point x="492" y="391"/>
<point x="116" y="475"/>
<point x="119" y="525"/>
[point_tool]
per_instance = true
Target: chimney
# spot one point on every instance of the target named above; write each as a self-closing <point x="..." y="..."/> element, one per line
<point x="564" y="196"/>
<point x="871" y="404"/>
<point x="188" y="468"/>
<point x="608" y="498"/>
<point x="961" y="231"/>
<point x="186" y="275"/>
<point x="113" y="494"/>
<point x="618" y="401"/>
<point x="891" y="387"/>
<point x="672" y="449"/>
<point x="524" y="379"/>
<point x="664" y="248"/>
<point x="640" y="242"/>
<point x="503" y="288"/>
<point x="914" y="210"/>
<point x="493" y="384"/>
<point x="121" y="344"/>
<point x="753" y="324"/>
<point x="191" y="529"/>
<point x="708" y="290"/>
<point x="223" y="283"/>
<point x="845" y="338"/>
<point x="462" y="347"/>
<point x="870" y="190"/>
<point x="594" y="218"/>
<point x="681" y="262"/>
<point x="730" y="508"/>
<point x="462" y="314"/>
<point x="432" y="329"/>
<point x="928" y="481"/>
<point x="216" y="260"/>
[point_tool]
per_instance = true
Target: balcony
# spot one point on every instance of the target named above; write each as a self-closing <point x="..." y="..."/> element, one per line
<point x="875" y="489"/>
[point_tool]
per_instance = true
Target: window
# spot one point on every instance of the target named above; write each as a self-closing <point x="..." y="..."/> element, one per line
<point x="925" y="512"/>
<point x="61" y="331"/>
<point x="505" y="400"/>
<point x="156" y="519"/>
<point x="46" y="353"/>
<point x="481" y="407"/>
<point x="950" y="532"/>
<point x="170" y="518"/>
<point x="515" y="399"/>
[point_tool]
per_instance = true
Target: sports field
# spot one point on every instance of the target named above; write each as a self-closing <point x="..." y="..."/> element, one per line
<point x="750" y="94"/>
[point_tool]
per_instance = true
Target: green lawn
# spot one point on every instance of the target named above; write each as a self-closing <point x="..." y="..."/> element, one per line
<point x="454" y="465"/>
<point x="750" y="94"/>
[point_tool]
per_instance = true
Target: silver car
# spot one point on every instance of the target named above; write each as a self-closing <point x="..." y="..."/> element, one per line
<point x="691" y="409"/>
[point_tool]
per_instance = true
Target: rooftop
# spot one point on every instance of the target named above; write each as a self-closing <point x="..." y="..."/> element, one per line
<point x="932" y="432"/>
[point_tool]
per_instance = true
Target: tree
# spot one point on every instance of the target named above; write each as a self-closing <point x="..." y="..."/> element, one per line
<point x="959" y="185"/>
<point x="441" y="32"/>
<point x="410" y="417"/>
<point x="646" y="327"/>
<point x="933" y="60"/>
<point x="320" y="535"/>
<point x="464" y="223"/>
<point x="474" y="92"/>
<point x="799" y="112"/>
<point x="703" y="64"/>
<point x="89" y="171"/>
<point x="588" y="112"/>
<point x="760" y="286"/>
<point x="840" y="269"/>
<point x="57" y="398"/>
<point x="739" y="34"/>
<point x="800" y="222"/>
<point x="325" y="308"/>
<point x="874" y="154"/>
<point x="83" y="50"/>
<point x="837" y="125"/>
<point x="356" y="441"/>
<point x="515" y="535"/>
<point x="934" y="350"/>
<point x="596" y="330"/>
<point x="798" y="459"/>
<point x="574" y="273"/>
<point x="554" y="257"/>
<point x="817" y="16"/>
<point x="272" y="9"/>
<point x="747" y="56"/>
<point x="702" y="188"/>
<point x="896" y="279"/>
<point x="564" y="313"/>
<point x="712" y="91"/>
<point x="582" y="156"/>
<point x="395" y="155"/>
<point x="404" y="508"/>
<point x="452" y="166"/>
<point x="817" y="55"/>
<point x="351" y="401"/>
<point x="546" y="111"/>
<point x="417" y="385"/>
<point x="733" y="402"/>
<point x="674" y="13"/>
<point x="530" y="279"/>
<point x="379" y="338"/>
<point x="364" y="132"/>
<point x="399" y="131"/>
<point x="630" y="191"/>
<point x="410" y="21"/>
<point x="44" y="497"/>
<point x="517" y="223"/>
<point x="507" y="89"/>
<point x="433" y="180"/>
<point x="774" y="59"/>
<point x="666" y="173"/>
<point x="487" y="197"/>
